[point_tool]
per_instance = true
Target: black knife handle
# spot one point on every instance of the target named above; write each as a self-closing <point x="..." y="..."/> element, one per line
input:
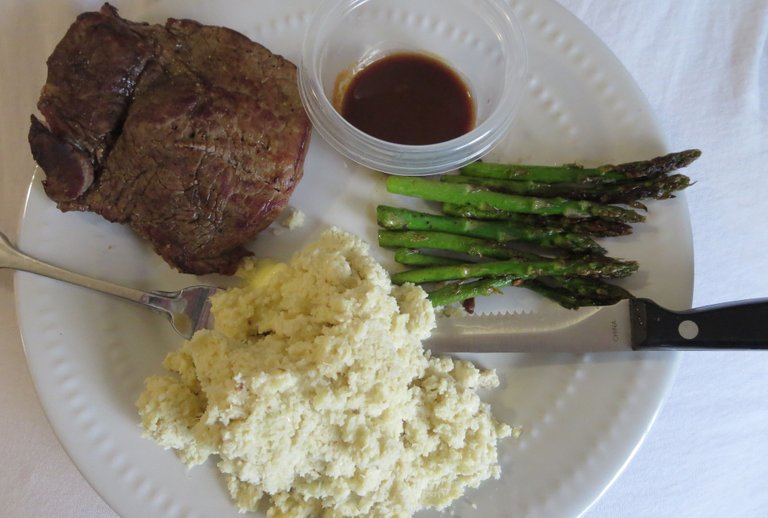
<point x="737" y="325"/>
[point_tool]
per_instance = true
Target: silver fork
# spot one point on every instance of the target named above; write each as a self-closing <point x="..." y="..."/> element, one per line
<point x="188" y="309"/>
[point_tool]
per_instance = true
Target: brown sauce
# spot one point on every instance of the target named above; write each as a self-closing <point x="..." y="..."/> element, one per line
<point x="409" y="99"/>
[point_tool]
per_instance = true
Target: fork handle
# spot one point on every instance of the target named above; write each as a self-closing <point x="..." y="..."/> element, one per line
<point x="11" y="257"/>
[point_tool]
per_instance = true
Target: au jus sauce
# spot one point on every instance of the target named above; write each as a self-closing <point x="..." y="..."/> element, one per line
<point x="409" y="98"/>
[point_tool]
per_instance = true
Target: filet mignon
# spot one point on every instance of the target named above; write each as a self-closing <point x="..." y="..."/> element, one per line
<point x="193" y="135"/>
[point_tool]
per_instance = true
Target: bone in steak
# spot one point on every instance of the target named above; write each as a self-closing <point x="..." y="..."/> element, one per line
<point x="193" y="135"/>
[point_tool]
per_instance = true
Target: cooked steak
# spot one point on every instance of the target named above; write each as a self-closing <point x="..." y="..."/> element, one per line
<point x="193" y="135"/>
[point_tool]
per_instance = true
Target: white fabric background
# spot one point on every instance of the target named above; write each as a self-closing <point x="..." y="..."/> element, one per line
<point x="704" y="68"/>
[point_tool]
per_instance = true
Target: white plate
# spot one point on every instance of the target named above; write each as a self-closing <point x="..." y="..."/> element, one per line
<point x="583" y="416"/>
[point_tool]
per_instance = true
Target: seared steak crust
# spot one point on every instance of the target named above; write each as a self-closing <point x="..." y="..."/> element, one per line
<point x="195" y="135"/>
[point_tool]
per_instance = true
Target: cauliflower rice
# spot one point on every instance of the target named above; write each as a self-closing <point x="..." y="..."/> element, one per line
<point x="314" y="390"/>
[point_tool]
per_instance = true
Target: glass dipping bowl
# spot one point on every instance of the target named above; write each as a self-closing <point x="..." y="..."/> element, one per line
<point x="479" y="39"/>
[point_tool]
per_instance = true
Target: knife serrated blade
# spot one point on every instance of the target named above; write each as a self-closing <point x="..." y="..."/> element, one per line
<point x="629" y="325"/>
<point x="555" y="329"/>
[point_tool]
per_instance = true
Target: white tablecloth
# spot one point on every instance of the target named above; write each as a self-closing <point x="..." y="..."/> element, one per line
<point x="704" y="68"/>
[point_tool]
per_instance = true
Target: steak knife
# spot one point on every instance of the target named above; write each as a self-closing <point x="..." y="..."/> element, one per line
<point x="630" y="325"/>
